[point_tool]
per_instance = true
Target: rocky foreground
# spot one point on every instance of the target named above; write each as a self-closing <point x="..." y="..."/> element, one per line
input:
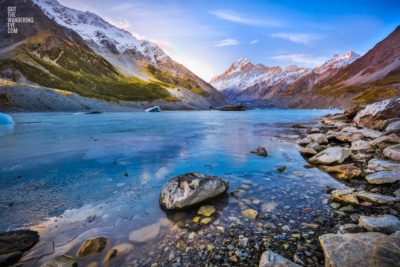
<point x="360" y="148"/>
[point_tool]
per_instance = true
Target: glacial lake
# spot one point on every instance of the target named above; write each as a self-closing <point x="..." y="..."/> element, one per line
<point x="72" y="176"/>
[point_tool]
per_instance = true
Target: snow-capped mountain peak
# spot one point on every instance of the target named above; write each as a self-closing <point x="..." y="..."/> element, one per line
<point x="99" y="33"/>
<point x="337" y="62"/>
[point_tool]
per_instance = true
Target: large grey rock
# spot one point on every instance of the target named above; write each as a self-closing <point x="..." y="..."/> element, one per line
<point x="272" y="259"/>
<point x="385" y="141"/>
<point x="386" y="224"/>
<point x="393" y="127"/>
<point x="384" y="177"/>
<point x="360" y="250"/>
<point x="392" y="152"/>
<point x="190" y="189"/>
<point x="348" y="136"/>
<point x="376" y="115"/>
<point x="331" y="155"/>
<point x="318" y="138"/>
<point x="383" y="165"/>
<point x="375" y="198"/>
<point x="360" y="145"/>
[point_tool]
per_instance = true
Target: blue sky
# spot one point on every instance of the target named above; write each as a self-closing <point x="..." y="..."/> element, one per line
<point x="208" y="35"/>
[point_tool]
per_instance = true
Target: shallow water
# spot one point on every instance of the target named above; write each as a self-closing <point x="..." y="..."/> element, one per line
<point x="74" y="176"/>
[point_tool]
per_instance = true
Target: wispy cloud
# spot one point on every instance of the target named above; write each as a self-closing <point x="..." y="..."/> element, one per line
<point x="303" y="59"/>
<point x="123" y="6"/>
<point x="122" y="24"/>
<point x="232" y="16"/>
<point x="227" y="42"/>
<point x="254" y="41"/>
<point x="300" y="38"/>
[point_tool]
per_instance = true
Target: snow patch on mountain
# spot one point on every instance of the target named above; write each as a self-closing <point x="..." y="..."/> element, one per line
<point x="93" y="28"/>
<point x="337" y="62"/>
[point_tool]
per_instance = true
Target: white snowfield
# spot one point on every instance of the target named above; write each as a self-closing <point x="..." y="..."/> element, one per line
<point x="242" y="74"/>
<point x="93" y="28"/>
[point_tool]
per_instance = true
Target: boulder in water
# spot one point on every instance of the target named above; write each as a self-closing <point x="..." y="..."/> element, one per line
<point x="190" y="189"/>
<point x="154" y="109"/>
<point x="5" y="119"/>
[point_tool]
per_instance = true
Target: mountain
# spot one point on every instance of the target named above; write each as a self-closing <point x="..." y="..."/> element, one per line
<point x="342" y="81"/>
<point x="80" y="52"/>
<point x="243" y="81"/>
<point x="246" y="81"/>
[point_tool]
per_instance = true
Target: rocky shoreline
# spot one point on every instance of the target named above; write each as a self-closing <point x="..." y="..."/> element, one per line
<point x="358" y="227"/>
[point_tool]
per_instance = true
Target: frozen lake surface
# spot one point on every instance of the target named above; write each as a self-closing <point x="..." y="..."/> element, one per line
<point x="72" y="176"/>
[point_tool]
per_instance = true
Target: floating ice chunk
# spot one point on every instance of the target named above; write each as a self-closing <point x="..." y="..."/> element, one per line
<point x="6" y="119"/>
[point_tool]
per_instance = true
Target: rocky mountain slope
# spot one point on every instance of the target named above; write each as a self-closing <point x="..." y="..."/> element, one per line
<point x="244" y="81"/>
<point x="70" y="50"/>
<point x="342" y="81"/>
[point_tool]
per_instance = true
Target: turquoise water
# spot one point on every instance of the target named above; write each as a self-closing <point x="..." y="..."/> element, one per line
<point x="107" y="170"/>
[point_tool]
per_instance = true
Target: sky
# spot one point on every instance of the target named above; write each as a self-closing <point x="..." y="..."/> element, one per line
<point x="208" y="35"/>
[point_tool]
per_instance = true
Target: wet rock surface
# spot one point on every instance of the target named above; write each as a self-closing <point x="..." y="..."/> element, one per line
<point x="92" y="246"/>
<point x="190" y="189"/>
<point x="14" y="243"/>
<point x="360" y="249"/>
<point x="386" y="224"/>
<point x="260" y="151"/>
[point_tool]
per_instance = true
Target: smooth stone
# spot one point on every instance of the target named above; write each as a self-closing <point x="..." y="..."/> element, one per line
<point x="350" y="228"/>
<point x="360" y="250"/>
<point x="393" y="127"/>
<point x="145" y="234"/>
<point x="318" y="138"/>
<point x="118" y="250"/>
<point x="383" y="165"/>
<point x="343" y="172"/>
<point x="386" y="224"/>
<point x="191" y="189"/>
<point x="308" y="151"/>
<point x="369" y="133"/>
<point x="249" y="213"/>
<point x="348" y="137"/>
<point x="397" y="193"/>
<point x="61" y="261"/>
<point x="392" y="152"/>
<point x="360" y="145"/>
<point x="10" y="258"/>
<point x="272" y="259"/>
<point x="20" y="240"/>
<point x="305" y="141"/>
<point x="92" y="246"/>
<point x="260" y="151"/>
<point x="385" y="177"/>
<point x="344" y="196"/>
<point x="206" y="210"/>
<point x="317" y="147"/>
<point x="331" y="155"/>
<point x="375" y="198"/>
<point x="385" y="141"/>
<point x="206" y="220"/>
<point x="376" y="115"/>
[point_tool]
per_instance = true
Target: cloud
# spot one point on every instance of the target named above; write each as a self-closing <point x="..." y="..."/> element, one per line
<point x="254" y="41"/>
<point x="227" y="42"/>
<point x="303" y="59"/>
<point x="237" y="18"/>
<point x="300" y="38"/>
<point x="122" y="24"/>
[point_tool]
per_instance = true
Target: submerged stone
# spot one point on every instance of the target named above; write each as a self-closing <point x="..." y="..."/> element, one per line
<point x="191" y="189"/>
<point x="145" y="234"/>
<point x="249" y="213"/>
<point x="260" y="151"/>
<point x="20" y="240"/>
<point x="206" y="210"/>
<point x="92" y="246"/>
<point x="61" y="261"/>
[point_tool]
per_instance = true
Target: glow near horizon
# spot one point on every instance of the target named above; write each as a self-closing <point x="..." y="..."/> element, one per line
<point x="207" y="36"/>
